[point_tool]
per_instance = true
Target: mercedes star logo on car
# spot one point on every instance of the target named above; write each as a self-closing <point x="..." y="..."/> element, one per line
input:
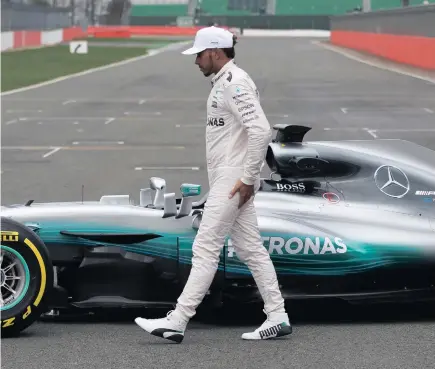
<point x="391" y="181"/>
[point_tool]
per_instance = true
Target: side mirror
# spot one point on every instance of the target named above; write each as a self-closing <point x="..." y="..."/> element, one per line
<point x="157" y="183"/>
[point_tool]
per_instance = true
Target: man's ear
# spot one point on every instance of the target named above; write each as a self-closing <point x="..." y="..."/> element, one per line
<point x="219" y="53"/>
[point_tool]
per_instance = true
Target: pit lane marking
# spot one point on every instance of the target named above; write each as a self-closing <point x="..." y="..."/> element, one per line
<point x="109" y="120"/>
<point x="142" y="113"/>
<point x="406" y="130"/>
<point x="105" y="119"/>
<point x="11" y="121"/>
<point x="10" y="111"/>
<point x="379" y="129"/>
<point x="189" y="125"/>
<point x="98" y="142"/>
<point x="92" y="148"/>
<point x="348" y="97"/>
<point x="56" y="149"/>
<point x="167" y="168"/>
<point x="68" y="102"/>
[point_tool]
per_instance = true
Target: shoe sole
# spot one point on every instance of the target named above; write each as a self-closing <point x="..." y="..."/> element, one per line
<point x="284" y="331"/>
<point x="168" y="334"/>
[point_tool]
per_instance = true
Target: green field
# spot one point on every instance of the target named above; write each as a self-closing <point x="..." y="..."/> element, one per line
<point x="27" y="67"/>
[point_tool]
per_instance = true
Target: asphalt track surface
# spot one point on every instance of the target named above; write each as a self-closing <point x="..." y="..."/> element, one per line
<point x="147" y="119"/>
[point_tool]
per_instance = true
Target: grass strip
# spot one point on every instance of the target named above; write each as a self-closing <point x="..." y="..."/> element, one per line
<point x="27" y="67"/>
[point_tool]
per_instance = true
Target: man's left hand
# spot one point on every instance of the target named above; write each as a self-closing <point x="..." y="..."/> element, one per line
<point x="246" y="192"/>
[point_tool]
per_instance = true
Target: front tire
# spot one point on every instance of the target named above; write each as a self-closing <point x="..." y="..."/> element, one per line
<point x="26" y="277"/>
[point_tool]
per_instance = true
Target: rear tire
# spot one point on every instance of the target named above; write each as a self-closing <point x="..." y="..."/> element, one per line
<point x="26" y="277"/>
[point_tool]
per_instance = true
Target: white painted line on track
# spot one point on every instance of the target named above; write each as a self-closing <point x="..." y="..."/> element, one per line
<point x="430" y="111"/>
<point x="68" y="102"/>
<point x="407" y="129"/>
<point x="132" y="118"/>
<point x="189" y="125"/>
<point x="143" y="101"/>
<point x="372" y="133"/>
<point x="380" y="129"/>
<point x="166" y="168"/>
<point x="23" y="111"/>
<point x="77" y="147"/>
<point x="109" y="120"/>
<point x="98" y="143"/>
<point x="343" y="110"/>
<point x="25" y="148"/>
<point x="56" y="149"/>
<point x="11" y="121"/>
<point x="65" y="118"/>
<point x="275" y="115"/>
<point x="349" y="97"/>
<point x="142" y="113"/>
<point x="153" y="52"/>
<point x="379" y="65"/>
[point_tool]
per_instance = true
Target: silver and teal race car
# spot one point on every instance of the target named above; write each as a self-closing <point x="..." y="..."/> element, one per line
<point x="352" y="220"/>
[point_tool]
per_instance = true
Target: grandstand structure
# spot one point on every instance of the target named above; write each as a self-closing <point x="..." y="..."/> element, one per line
<point x="183" y="8"/>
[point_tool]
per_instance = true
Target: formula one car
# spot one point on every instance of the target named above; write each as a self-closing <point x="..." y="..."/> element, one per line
<point x="353" y="220"/>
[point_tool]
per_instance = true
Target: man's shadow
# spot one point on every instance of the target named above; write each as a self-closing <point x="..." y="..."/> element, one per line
<point x="312" y="312"/>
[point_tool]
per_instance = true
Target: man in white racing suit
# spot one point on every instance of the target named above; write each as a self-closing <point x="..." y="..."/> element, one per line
<point x="237" y="136"/>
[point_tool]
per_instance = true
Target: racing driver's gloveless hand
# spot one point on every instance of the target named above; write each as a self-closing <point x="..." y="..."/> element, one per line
<point x="237" y="136"/>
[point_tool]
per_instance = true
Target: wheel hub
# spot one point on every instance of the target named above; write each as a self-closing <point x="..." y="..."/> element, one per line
<point x="13" y="281"/>
<point x="2" y="278"/>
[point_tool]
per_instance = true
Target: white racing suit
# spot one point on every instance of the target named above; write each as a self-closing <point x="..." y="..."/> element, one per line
<point x="237" y="136"/>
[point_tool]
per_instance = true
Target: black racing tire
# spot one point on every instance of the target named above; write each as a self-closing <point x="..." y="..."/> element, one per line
<point x="22" y="248"/>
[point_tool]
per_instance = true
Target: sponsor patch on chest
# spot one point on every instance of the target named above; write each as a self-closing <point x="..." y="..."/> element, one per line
<point x="215" y="122"/>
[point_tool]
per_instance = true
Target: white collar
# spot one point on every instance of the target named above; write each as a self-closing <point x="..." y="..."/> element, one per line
<point x="219" y="74"/>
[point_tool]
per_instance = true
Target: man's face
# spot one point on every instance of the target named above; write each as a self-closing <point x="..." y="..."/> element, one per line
<point x="206" y="61"/>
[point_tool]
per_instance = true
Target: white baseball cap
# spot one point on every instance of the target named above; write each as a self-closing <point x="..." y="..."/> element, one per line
<point x="210" y="38"/>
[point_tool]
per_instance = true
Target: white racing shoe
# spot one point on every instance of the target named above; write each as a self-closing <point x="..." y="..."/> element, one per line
<point x="276" y="325"/>
<point x="171" y="327"/>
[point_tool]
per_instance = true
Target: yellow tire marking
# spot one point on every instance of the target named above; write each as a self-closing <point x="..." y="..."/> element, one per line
<point x="8" y="322"/>
<point x="27" y="313"/>
<point x="43" y="271"/>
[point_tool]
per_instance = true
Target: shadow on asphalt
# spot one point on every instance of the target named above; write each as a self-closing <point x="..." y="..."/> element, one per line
<point x="301" y="313"/>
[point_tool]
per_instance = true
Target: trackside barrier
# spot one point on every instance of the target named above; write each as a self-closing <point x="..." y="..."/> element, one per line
<point x="73" y="33"/>
<point x="405" y="35"/>
<point x="416" y="51"/>
<point x="29" y="39"/>
<point x="131" y="31"/>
